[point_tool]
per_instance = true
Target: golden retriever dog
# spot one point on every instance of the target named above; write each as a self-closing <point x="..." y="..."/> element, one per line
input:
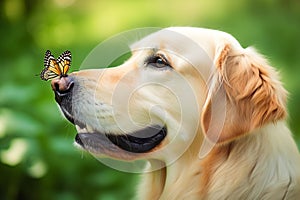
<point x="207" y="114"/>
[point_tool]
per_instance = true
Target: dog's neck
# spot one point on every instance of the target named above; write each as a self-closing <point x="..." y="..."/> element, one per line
<point x="256" y="163"/>
<point x="224" y="160"/>
<point x="166" y="183"/>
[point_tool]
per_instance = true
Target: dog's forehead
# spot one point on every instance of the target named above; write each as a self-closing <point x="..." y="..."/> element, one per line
<point x="167" y="40"/>
<point x="180" y="44"/>
<point x="186" y="39"/>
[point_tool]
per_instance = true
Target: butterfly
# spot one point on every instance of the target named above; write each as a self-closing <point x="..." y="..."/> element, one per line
<point x="54" y="68"/>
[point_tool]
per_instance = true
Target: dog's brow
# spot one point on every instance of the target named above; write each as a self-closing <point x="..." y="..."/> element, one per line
<point x="150" y="49"/>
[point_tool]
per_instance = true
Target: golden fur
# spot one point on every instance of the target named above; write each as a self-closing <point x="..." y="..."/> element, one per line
<point x="254" y="156"/>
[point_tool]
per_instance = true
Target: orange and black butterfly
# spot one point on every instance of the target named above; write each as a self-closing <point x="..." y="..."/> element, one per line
<point x="56" y="67"/>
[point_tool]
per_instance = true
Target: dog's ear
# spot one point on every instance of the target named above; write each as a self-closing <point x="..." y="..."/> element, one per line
<point x="248" y="88"/>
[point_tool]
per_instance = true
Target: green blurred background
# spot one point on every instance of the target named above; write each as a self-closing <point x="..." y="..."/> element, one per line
<point x="37" y="156"/>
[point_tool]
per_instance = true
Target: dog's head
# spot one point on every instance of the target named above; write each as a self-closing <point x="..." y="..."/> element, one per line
<point x="179" y="85"/>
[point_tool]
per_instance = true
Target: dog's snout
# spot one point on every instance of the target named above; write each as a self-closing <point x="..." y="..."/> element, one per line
<point x="62" y="88"/>
<point x="63" y="85"/>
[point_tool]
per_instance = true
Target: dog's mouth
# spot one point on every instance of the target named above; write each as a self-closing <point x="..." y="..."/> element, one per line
<point x="140" y="141"/>
<point x="135" y="144"/>
<point x="120" y="144"/>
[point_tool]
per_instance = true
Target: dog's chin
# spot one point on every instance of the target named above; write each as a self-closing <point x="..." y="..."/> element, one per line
<point x="127" y="146"/>
<point x="99" y="145"/>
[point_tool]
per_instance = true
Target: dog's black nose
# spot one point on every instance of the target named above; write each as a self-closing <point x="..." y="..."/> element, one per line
<point x="62" y="87"/>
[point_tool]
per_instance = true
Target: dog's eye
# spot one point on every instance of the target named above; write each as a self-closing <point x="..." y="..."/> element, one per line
<point x="158" y="61"/>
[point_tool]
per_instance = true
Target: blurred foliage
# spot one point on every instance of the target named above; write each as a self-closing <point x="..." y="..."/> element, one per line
<point x="37" y="158"/>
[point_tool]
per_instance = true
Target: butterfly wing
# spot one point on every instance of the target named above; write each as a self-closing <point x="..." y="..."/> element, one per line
<point x="64" y="62"/>
<point x="51" y="68"/>
<point x="47" y="74"/>
<point x="47" y="57"/>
